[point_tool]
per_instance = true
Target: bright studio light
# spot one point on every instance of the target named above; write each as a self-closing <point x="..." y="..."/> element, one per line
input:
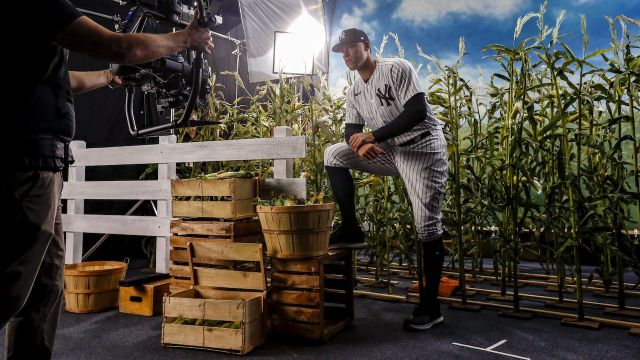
<point x="310" y="31"/>
<point x="294" y="50"/>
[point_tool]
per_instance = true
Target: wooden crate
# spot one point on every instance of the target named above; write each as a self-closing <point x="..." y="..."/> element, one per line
<point x="312" y="298"/>
<point x="212" y="300"/>
<point x="197" y="230"/>
<point x="144" y="299"/>
<point x="242" y="194"/>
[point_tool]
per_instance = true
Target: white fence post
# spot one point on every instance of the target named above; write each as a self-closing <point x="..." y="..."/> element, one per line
<point x="165" y="172"/>
<point x="282" y="169"/>
<point x="73" y="246"/>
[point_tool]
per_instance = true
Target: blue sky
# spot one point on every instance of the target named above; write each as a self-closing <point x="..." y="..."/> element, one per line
<point x="437" y="25"/>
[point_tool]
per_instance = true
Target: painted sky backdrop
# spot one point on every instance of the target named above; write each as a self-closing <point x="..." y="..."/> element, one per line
<point x="437" y="25"/>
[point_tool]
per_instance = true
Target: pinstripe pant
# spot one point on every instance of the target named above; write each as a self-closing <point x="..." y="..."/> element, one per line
<point x="423" y="167"/>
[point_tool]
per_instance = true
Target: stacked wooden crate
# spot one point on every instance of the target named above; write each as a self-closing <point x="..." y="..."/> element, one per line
<point x="313" y="297"/>
<point x="225" y="309"/>
<point x="217" y="210"/>
<point x="231" y="199"/>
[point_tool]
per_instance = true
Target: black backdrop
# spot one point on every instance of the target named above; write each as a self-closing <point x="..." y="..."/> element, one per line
<point x="101" y="121"/>
<point x="100" y="113"/>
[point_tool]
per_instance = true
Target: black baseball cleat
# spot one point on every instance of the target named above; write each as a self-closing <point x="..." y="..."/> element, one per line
<point x="419" y="321"/>
<point x="347" y="238"/>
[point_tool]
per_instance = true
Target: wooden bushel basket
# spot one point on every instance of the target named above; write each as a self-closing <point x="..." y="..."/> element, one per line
<point x="92" y="286"/>
<point x="298" y="231"/>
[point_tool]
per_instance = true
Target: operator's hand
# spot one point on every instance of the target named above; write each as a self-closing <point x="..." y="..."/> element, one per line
<point x="357" y="140"/>
<point x="370" y="151"/>
<point x="198" y="38"/>
<point x="116" y="81"/>
<point x="113" y="81"/>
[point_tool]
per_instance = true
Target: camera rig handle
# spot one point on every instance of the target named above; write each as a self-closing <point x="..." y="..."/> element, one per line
<point x="135" y="23"/>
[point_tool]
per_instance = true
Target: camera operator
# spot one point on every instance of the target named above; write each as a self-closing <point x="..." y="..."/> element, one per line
<point x="32" y="264"/>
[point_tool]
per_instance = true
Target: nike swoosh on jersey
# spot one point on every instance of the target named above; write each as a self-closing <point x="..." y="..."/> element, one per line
<point x="357" y="93"/>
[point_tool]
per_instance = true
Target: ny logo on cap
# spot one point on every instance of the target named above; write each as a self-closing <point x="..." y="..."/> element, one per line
<point x="342" y="36"/>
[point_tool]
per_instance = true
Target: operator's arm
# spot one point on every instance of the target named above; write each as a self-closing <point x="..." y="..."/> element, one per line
<point x="83" y="81"/>
<point x="87" y="37"/>
<point x="415" y="111"/>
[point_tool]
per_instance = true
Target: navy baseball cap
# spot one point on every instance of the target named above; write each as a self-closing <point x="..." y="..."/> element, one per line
<point x="349" y="36"/>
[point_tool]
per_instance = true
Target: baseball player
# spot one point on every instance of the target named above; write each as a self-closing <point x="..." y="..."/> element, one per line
<point x="406" y="140"/>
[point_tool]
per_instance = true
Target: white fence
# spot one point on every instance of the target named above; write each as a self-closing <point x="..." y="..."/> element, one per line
<point x="282" y="148"/>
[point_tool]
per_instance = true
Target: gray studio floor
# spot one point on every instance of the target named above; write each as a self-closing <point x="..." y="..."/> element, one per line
<point x="375" y="334"/>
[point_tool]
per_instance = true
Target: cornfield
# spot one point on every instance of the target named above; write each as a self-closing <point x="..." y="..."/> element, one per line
<point x="543" y="157"/>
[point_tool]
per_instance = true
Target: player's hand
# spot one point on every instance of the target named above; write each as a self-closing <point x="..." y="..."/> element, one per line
<point x="370" y="151"/>
<point x="357" y="140"/>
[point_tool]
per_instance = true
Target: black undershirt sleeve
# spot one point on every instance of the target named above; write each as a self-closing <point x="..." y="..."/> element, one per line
<point x="415" y="110"/>
<point x="350" y="129"/>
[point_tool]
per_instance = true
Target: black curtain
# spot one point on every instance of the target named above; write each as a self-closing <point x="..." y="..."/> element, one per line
<point x="101" y="122"/>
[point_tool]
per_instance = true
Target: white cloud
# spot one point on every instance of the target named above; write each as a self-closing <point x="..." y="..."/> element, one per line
<point x="582" y="2"/>
<point x="477" y="74"/>
<point x="358" y="17"/>
<point x="354" y="21"/>
<point x="337" y="87"/>
<point x="420" y="12"/>
<point x="469" y="72"/>
<point x="370" y="6"/>
<point x="337" y="75"/>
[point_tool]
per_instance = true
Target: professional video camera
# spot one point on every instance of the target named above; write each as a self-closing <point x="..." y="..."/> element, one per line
<point x="174" y="82"/>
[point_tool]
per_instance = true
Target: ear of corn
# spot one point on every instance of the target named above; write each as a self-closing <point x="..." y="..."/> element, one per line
<point x="208" y="323"/>
<point x="228" y="175"/>
<point x="282" y="200"/>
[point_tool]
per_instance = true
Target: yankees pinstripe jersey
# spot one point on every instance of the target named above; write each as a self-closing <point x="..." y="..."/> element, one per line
<point x="380" y="100"/>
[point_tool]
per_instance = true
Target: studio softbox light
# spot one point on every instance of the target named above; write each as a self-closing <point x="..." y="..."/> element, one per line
<point x="285" y="37"/>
